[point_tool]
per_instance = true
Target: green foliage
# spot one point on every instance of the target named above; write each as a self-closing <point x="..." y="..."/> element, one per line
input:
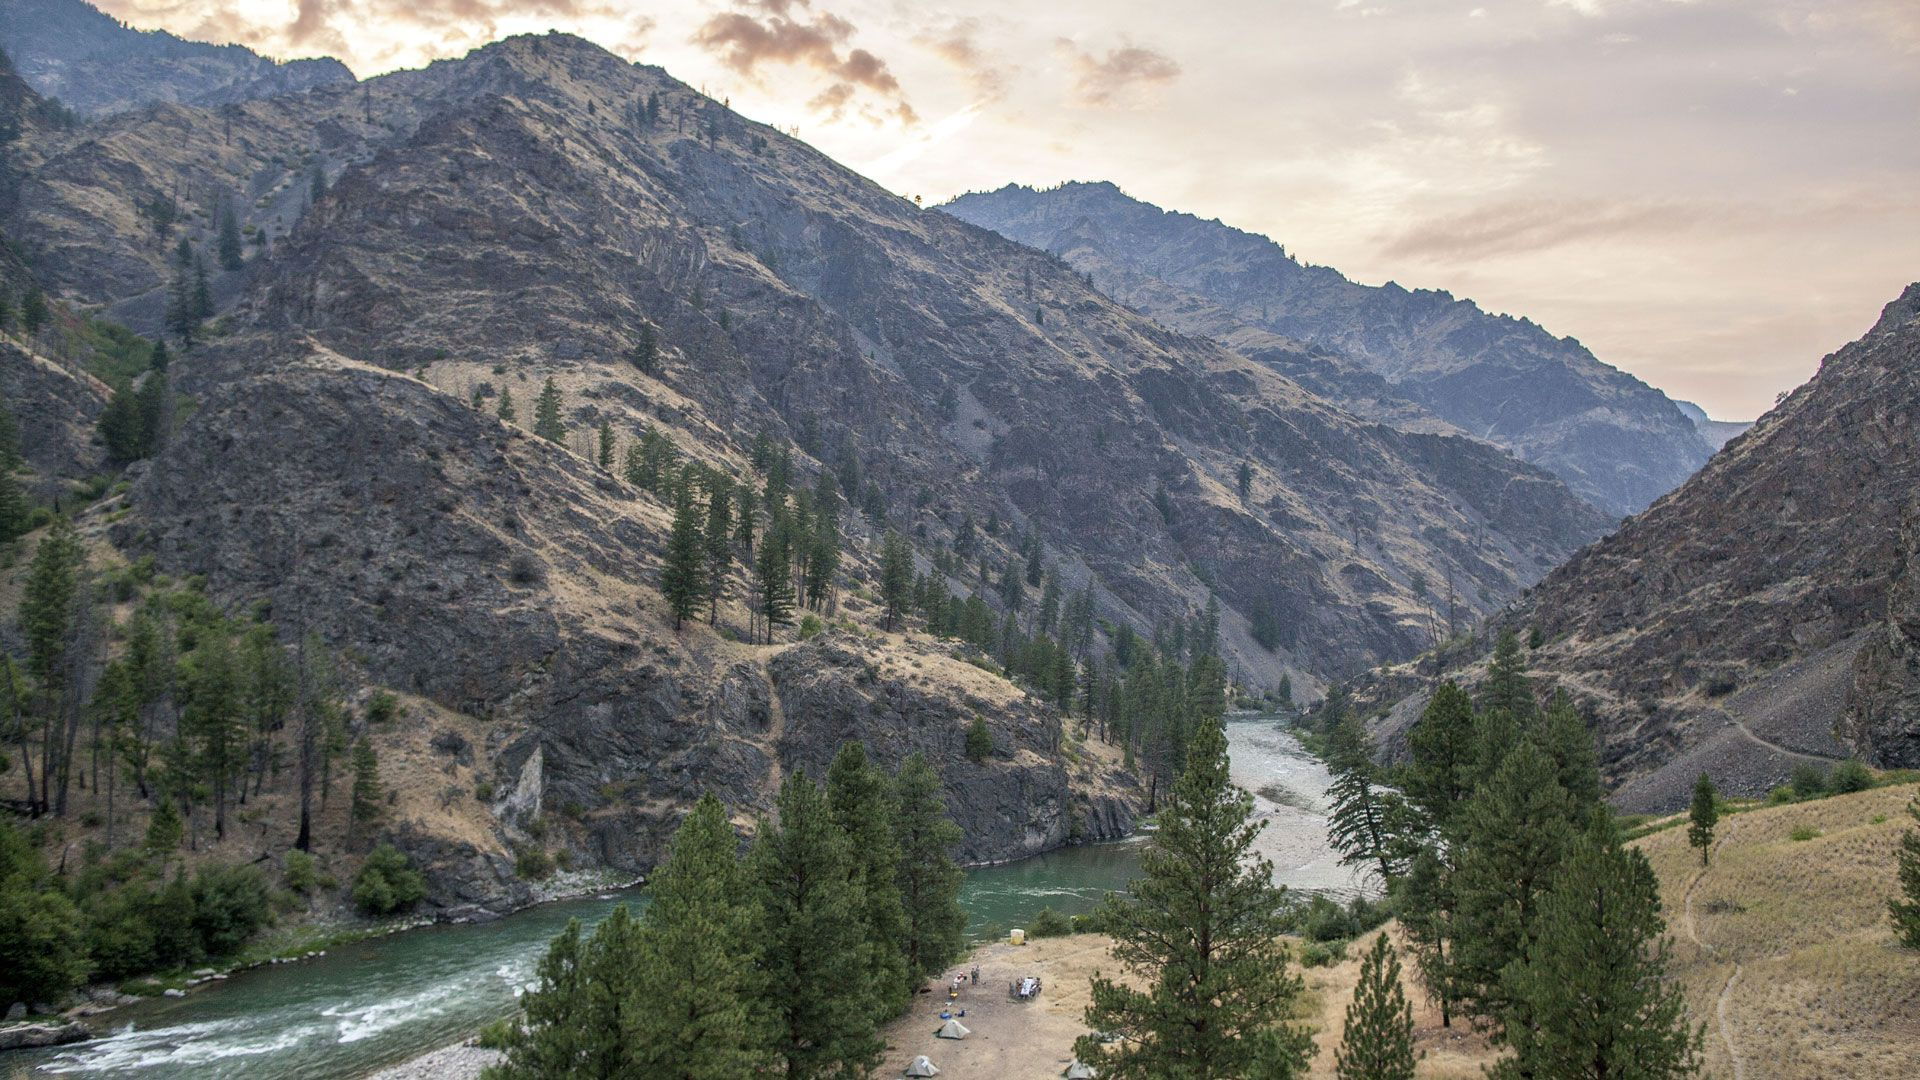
<point x="364" y="811"/>
<point x="228" y="242"/>
<point x="1905" y="909"/>
<point x="683" y="580"/>
<point x="804" y="883"/>
<point x="301" y="873"/>
<point x="1049" y="923"/>
<point x="810" y="627"/>
<point x="1364" y="820"/>
<point x="979" y="741"/>
<point x="1702" y="816"/>
<point x="1200" y="930"/>
<point x="164" y="829"/>
<point x="229" y="904"/>
<point x="1809" y="781"/>
<point x="896" y="576"/>
<point x="532" y="863"/>
<point x="1590" y="998"/>
<point x="382" y="707"/>
<point x="505" y="409"/>
<point x="928" y="879"/>
<point x="387" y="882"/>
<point x="861" y="800"/>
<point x="1378" y="1039"/>
<point x="1803" y="833"/>
<point x="42" y="948"/>
<point x="1850" y="776"/>
<point x="546" y="414"/>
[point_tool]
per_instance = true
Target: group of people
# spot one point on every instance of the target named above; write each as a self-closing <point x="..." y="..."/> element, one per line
<point x="960" y="979"/>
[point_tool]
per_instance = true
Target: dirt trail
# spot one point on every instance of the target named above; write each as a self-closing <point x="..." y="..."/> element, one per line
<point x="1801" y="755"/>
<point x="1693" y="932"/>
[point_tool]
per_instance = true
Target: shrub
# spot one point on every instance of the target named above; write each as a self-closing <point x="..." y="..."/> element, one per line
<point x="1322" y="954"/>
<point x="1780" y="796"/>
<point x="229" y="904"/>
<point x="382" y="707"/>
<point x="979" y="741"/>
<point x="1049" y="923"/>
<point x="532" y="863"/>
<point x="1804" y="832"/>
<point x="1850" y="776"/>
<point x="301" y="872"/>
<point x="498" y="1035"/>
<point x="387" y="883"/>
<point x="1809" y="780"/>
<point x="810" y="627"/>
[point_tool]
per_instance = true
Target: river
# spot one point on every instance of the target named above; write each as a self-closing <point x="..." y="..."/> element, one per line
<point x="377" y="1002"/>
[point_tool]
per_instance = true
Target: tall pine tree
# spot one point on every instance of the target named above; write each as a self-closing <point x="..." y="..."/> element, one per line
<point x="683" y="580"/>
<point x="861" y="800"/>
<point x="1703" y="815"/>
<point x="928" y="879"/>
<point x="810" y="932"/>
<point x="546" y="414"/>
<point x="1201" y="931"/>
<point x="1378" y="1040"/>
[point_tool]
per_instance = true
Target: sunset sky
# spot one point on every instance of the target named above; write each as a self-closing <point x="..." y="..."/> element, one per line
<point x="1708" y="193"/>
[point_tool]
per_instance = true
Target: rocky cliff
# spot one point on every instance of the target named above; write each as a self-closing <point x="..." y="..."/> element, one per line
<point x="1759" y="615"/>
<point x="95" y="64"/>
<point x="1613" y="439"/>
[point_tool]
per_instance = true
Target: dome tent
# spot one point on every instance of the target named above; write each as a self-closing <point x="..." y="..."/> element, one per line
<point x="953" y="1029"/>
<point x="1078" y="1071"/>
<point x="922" y="1067"/>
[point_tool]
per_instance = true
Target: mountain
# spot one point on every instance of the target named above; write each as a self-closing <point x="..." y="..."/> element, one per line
<point x="1763" y="614"/>
<point x="97" y="65"/>
<point x="1717" y="433"/>
<point x="1616" y="441"/>
<point x="541" y="209"/>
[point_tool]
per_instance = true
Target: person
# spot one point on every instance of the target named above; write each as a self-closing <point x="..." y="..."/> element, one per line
<point x="976" y="974"/>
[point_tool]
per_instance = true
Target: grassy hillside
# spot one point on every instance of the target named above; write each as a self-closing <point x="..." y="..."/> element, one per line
<point x="1783" y="946"/>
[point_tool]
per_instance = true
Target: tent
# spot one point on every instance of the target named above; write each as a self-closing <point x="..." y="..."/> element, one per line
<point x="953" y="1029"/>
<point x="1077" y="1071"/>
<point x="922" y="1067"/>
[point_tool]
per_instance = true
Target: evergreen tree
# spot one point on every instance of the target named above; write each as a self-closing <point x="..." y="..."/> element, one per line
<point x="34" y="313"/>
<point x="646" y="353"/>
<point x="14" y="506"/>
<point x="1564" y="735"/>
<point x="121" y="426"/>
<point x="928" y="878"/>
<point x="695" y="983"/>
<point x="683" y="580"/>
<point x="505" y="411"/>
<point x="43" y="952"/>
<point x="862" y="802"/>
<point x="1513" y="837"/>
<point x="364" y="810"/>
<point x="606" y="445"/>
<point x="1440" y="777"/>
<point x="811" y="950"/>
<point x="1702" y="816"/>
<point x="546" y="414"/>
<point x="1507" y="688"/>
<point x="1201" y="929"/>
<point x="1906" y="910"/>
<point x="1364" y="820"/>
<point x="48" y="616"/>
<point x="164" y="830"/>
<point x="775" y="583"/>
<point x="896" y="576"/>
<point x="202" y="295"/>
<point x="213" y="717"/>
<point x="1592" y="1001"/>
<point x="1243" y="480"/>
<point x="228" y="244"/>
<point x="555" y="1039"/>
<point x="1378" y="1042"/>
<point x="718" y="543"/>
<point x="155" y="405"/>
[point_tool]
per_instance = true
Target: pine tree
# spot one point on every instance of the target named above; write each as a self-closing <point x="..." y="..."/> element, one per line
<point x="554" y="1038"/>
<point x="1906" y="911"/>
<point x="811" y="957"/>
<point x="14" y="506"/>
<point x="121" y="428"/>
<point x="1243" y="480"/>
<point x="546" y="414"/>
<point x="1564" y="736"/>
<point x="606" y="445"/>
<point x="928" y="879"/>
<point x="718" y="543"/>
<point x="202" y="295"/>
<point x="155" y="406"/>
<point x="48" y="617"/>
<point x="34" y="313"/>
<point x="1513" y="837"/>
<point x="775" y="583"/>
<point x="1507" y="687"/>
<point x="896" y="576"/>
<point x="683" y="580"/>
<point x="1702" y="816"/>
<point x="1363" y="820"/>
<point x="228" y="245"/>
<point x="862" y="802"/>
<point x="1440" y="778"/>
<point x="1378" y="1042"/>
<point x="164" y="830"/>
<point x="213" y="717"/>
<point x="505" y="411"/>
<point x="1592" y="1000"/>
<point x="695" y="982"/>
<point x="646" y="354"/>
<point x="364" y="810"/>
<point x="1201" y="929"/>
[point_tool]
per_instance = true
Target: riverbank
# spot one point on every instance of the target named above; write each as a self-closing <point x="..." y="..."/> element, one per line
<point x="461" y="1061"/>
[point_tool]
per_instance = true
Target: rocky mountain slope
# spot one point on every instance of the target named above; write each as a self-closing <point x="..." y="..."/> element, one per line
<point x="1762" y="614"/>
<point x="1717" y="433"/>
<point x="1615" y="440"/>
<point x="95" y="64"/>
<point x="542" y="209"/>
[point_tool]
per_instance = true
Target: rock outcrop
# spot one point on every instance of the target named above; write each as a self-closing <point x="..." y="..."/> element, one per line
<point x="1613" y="439"/>
<point x="1883" y="705"/>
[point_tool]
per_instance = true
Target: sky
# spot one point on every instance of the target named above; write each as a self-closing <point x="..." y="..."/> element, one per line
<point x="1711" y="194"/>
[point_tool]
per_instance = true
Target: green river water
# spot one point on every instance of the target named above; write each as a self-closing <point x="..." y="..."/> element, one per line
<point x="381" y="1001"/>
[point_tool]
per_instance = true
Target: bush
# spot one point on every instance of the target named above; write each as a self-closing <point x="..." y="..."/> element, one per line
<point x="1780" y="796"/>
<point x="382" y="707"/>
<point x="302" y="874"/>
<point x="229" y="904"/>
<point x="979" y="741"/>
<point x="532" y="863"/>
<point x="1049" y="923"/>
<point x="387" y="883"/>
<point x="1809" y="780"/>
<point x="1321" y="954"/>
<point x="1850" y="776"/>
<point x="1804" y="832"/>
<point x="498" y="1035"/>
<point x="810" y="627"/>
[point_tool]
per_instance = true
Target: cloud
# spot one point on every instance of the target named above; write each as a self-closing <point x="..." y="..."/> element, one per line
<point x="1109" y="79"/>
<point x="1512" y="227"/>
<point x="959" y="45"/>
<point x="746" y="40"/>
